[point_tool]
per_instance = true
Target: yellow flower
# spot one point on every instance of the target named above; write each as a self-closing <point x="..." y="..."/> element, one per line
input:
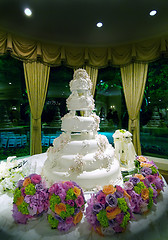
<point x="107" y="189"/>
<point x="127" y="195"/>
<point x="77" y="218"/>
<point x="77" y="191"/>
<point x="112" y="212"/>
<point x="145" y="194"/>
<point x="19" y="200"/>
<point x="26" y="182"/>
<point x="158" y="191"/>
<point x="142" y="159"/>
<point x="59" y="208"/>
<point x="143" y="164"/>
<point x="140" y="176"/>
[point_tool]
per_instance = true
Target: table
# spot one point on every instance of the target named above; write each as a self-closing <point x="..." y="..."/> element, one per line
<point x="152" y="226"/>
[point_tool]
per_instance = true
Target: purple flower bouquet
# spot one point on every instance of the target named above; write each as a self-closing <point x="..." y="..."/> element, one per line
<point x="142" y="192"/>
<point x="30" y="199"/>
<point x="150" y="171"/>
<point x="109" y="211"/>
<point x="66" y="205"/>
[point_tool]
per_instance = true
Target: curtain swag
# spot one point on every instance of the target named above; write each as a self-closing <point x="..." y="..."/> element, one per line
<point x="53" y="54"/>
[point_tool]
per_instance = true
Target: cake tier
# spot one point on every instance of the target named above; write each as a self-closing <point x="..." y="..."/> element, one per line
<point x="79" y="124"/>
<point x="81" y="80"/>
<point x="80" y="102"/>
<point x="80" y="155"/>
<point x="76" y="158"/>
<point x="88" y="180"/>
<point x="80" y="83"/>
<point x="81" y="161"/>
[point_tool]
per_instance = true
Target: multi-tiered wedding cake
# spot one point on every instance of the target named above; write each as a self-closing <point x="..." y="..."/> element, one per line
<point x="80" y="153"/>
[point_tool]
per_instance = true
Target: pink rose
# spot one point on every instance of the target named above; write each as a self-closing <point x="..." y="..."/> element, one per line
<point x="69" y="220"/>
<point x="101" y="198"/>
<point x="36" y="179"/>
<point x="79" y="201"/>
<point x="119" y="189"/>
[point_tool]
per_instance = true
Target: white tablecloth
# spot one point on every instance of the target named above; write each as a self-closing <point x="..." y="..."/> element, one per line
<point x="152" y="226"/>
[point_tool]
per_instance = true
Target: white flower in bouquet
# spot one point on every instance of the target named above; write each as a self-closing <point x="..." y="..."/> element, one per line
<point x="122" y="133"/>
<point x="10" y="174"/>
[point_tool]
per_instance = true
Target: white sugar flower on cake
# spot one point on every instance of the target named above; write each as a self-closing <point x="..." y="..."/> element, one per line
<point x="61" y="141"/>
<point x="77" y="165"/>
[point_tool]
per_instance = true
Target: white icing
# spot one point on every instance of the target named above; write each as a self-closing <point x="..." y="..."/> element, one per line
<point x="80" y="102"/>
<point x="81" y="81"/>
<point x="88" y="179"/>
<point x="79" y="124"/>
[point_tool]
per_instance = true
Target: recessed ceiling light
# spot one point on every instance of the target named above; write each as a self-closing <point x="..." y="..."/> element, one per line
<point x="153" y="12"/>
<point x="28" y="12"/>
<point x="99" y="24"/>
<point x="10" y="83"/>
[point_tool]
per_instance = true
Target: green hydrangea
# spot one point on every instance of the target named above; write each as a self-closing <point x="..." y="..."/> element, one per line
<point x="52" y="221"/>
<point x="69" y="210"/>
<point x="122" y="130"/>
<point x="150" y="192"/>
<point x="150" y="204"/>
<point x="30" y="189"/>
<point x="102" y="218"/>
<point x="138" y="188"/>
<point x="70" y="194"/>
<point x="23" y="208"/>
<point x="17" y="194"/>
<point x="63" y="215"/>
<point x="54" y="200"/>
<point x="122" y="204"/>
<point x="154" y="170"/>
<point x="125" y="220"/>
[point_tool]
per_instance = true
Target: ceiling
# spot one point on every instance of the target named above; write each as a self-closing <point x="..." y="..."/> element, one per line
<point x="73" y="22"/>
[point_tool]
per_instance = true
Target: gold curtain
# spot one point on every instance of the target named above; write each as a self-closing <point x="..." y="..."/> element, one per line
<point x="92" y="72"/>
<point x="36" y="78"/>
<point x="133" y="80"/>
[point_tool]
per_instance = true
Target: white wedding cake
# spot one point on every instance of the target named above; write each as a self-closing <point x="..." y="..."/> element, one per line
<point x="81" y="154"/>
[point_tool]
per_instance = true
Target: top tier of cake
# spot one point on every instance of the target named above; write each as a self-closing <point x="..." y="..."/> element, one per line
<point x="80" y="102"/>
<point x="80" y="81"/>
<point x="80" y="99"/>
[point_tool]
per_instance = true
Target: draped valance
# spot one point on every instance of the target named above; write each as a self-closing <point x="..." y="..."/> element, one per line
<point x="54" y="54"/>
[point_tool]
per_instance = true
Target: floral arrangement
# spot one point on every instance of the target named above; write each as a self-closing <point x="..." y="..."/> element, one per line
<point x="142" y="194"/>
<point x="30" y="198"/>
<point x="11" y="171"/>
<point x="144" y="186"/>
<point x="150" y="171"/>
<point x="122" y="133"/>
<point x="66" y="205"/>
<point x="109" y="210"/>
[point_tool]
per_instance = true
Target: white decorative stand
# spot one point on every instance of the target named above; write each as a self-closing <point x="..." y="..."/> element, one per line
<point x="124" y="149"/>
